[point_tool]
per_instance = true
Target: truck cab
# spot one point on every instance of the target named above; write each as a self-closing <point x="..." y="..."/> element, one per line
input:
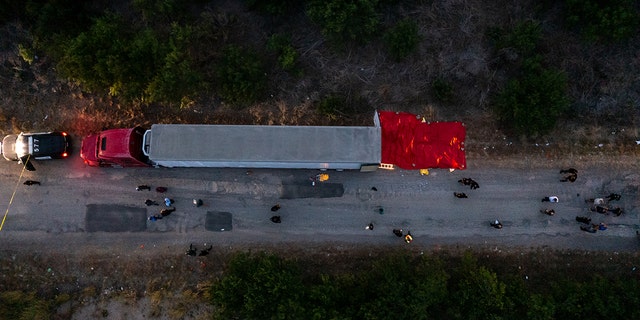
<point x="115" y="148"/>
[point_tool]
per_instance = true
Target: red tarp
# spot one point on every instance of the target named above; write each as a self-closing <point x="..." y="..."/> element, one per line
<point x="409" y="143"/>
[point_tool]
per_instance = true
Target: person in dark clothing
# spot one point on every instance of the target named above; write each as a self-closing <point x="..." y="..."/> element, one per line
<point x="150" y="202"/>
<point x="205" y="252"/>
<point x="617" y="211"/>
<point x="496" y="224"/>
<point x="548" y="212"/>
<point x="469" y="182"/>
<point x="275" y="208"/>
<point x="600" y="209"/>
<point x="589" y="229"/>
<point x="276" y="219"/>
<point x="31" y="182"/>
<point x="166" y="212"/>
<point x="161" y="189"/>
<point x="570" y="178"/>
<point x="397" y="232"/>
<point x="460" y="195"/>
<point x="192" y="251"/>
<point x="369" y="226"/>
<point x="614" y="197"/>
<point x="570" y="171"/>
<point x="143" y="187"/>
<point x="583" y="219"/>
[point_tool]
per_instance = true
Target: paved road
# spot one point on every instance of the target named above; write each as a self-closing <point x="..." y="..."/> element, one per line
<point x="56" y="212"/>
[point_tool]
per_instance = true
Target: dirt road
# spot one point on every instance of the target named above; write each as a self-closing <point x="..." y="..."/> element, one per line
<point x="54" y="214"/>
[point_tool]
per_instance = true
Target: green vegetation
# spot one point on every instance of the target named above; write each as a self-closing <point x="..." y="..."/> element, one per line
<point x="287" y="55"/>
<point x="345" y="21"/>
<point x="276" y="8"/>
<point x="442" y="90"/>
<point x="523" y="38"/>
<point x="604" y="20"/>
<point x="18" y="305"/>
<point x="241" y="77"/>
<point x="531" y="103"/>
<point x="134" y="64"/>
<point x="535" y="96"/>
<point x="261" y="287"/>
<point x="402" y="286"/>
<point x="402" y="39"/>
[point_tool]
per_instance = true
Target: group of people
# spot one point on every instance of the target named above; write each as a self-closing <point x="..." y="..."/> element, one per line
<point x="194" y="252"/>
<point x="408" y="238"/>
<point x="570" y="175"/>
<point x="598" y="205"/>
<point x="469" y="182"/>
<point x="466" y="182"/>
<point x="168" y="202"/>
<point x="276" y="218"/>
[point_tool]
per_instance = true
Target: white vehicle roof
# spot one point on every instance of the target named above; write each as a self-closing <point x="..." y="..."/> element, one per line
<point x="310" y="147"/>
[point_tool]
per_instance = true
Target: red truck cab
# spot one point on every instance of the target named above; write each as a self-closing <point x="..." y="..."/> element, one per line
<point x="115" y="148"/>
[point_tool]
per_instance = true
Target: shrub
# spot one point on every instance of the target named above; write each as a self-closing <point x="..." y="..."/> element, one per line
<point x="531" y="103"/>
<point x="403" y="286"/>
<point x="26" y="53"/>
<point x="163" y="11"/>
<point x="402" y="39"/>
<point x="442" y="90"/>
<point x="133" y="64"/>
<point x="476" y="292"/>
<point x="277" y="8"/>
<point x="603" y="20"/>
<point x="260" y="287"/>
<point x="524" y="38"/>
<point x="19" y="305"/>
<point x="287" y="55"/>
<point x="240" y="75"/>
<point x="345" y="20"/>
<point x="95" y="58"/>
<point x="177" y="80"/>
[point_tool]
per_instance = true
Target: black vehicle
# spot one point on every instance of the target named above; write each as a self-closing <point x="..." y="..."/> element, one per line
<point x="35" y="146"/>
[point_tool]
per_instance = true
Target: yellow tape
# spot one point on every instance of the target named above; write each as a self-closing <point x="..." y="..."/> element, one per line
<point x="6" y="213"/>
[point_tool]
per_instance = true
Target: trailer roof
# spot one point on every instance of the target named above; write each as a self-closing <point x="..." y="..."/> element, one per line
<point x="255" y="144"/>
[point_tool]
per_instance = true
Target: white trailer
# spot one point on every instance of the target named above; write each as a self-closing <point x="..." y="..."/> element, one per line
<point x="232" y="146"/>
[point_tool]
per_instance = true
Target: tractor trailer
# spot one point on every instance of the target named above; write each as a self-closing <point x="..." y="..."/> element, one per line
<point x="242" y="146"/>
<point x="231" y="146"/>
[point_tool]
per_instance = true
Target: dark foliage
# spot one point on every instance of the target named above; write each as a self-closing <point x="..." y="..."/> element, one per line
<point x="402" y="286"/>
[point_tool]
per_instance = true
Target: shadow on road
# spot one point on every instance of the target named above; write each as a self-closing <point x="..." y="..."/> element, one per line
<point x="218" y="221"/>
<point x="306" y="190"/>
<point x="115" y="218"/>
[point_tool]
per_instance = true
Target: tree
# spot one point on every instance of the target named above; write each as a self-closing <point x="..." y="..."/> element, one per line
<point x="240" y="75"/>
<point x="402" y="39"/>
<point x="287" y="55"/>
<point x="260" y="287"/>
<point x="603" y="20"/>
<point x="531" y="103"/>
<point x="476" y="292"/>
<point x="404" y="287"/>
